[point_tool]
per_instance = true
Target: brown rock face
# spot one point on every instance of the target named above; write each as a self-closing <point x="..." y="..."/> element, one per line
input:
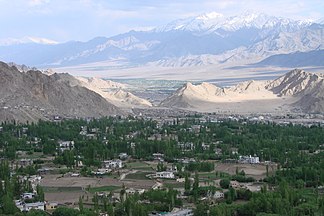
<point x="34" y="95"/>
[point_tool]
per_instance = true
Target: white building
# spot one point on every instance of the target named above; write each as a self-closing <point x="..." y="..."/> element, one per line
<point x="167" y="175"/>
<point x="177" y="212"/>
<point x="102" y="171"/>
<point x="25" y="196"/>
<point x="158" y="156"/>
<point x="113" y="164"/>
<point x="123" y="156"/>
<point x="51" y="205"/>
<point x="235" y="184"/>
<point x="195" y="128"/>
<point x="249" y="159"/>
<point x="36" y="205"/>
<point x="66" y="145"/>
<point x="133" y="191"/>
<point x="34" y="181"/>
<point x="26" y="162"/>
<point x="29" y="206"/>
<point x="218" y="195"/>
<point x="188" y="146"/>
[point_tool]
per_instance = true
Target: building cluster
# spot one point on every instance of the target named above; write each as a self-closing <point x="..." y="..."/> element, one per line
<point x="249" y="159"/>
<point x="175" y="212"/>
<point x="65" y="145"/>
<point x="25" y="207"/>
<point x="109" y="166"/>
<point x="113" y="164"/>
<point x="29" y="200"/>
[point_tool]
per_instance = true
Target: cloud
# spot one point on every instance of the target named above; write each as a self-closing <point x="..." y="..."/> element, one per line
<point x="38" y="2"/>
<point x="83" y="19"/>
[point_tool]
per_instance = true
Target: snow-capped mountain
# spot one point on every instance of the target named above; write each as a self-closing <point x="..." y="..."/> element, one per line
<point x="217" y="23"/>
<point x="207" y="39"/>
<point x="25" y="40"/>
<point x="320" y="21"/>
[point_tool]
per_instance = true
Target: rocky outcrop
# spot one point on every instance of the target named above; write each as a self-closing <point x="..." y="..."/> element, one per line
<point x="306" y="91"/>
<point x="34" y="95"/>
<point x="113" y="92"/>
<point x="295" y="82"/>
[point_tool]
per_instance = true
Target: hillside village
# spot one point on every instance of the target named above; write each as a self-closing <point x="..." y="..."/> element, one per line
<point x="102" y="163"/>
<point x="161" y="108"/>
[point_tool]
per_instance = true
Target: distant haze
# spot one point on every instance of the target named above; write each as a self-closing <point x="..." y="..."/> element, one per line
<point x="50" y="21"/>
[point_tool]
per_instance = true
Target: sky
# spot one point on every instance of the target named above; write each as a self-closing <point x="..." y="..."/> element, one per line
<point x="82" y="20"/>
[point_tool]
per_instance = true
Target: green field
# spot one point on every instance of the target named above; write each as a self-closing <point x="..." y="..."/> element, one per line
<point x="104" y="188"/>
<point x="137" y="164"/>
<point x="61" y="189"/>
<point x="34" y="155"/>
<point x="138" y="175"/>
<point x="148" y="168"/>
<point x="208" y="176"/>
<point x="174" y="185"/>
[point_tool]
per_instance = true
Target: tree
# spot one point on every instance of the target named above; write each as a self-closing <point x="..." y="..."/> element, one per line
<point x="9" y="206"/>
<point x="225" y="183"/>
<point x="304" y="209"/>
<point x="321" y="205"/>
<point x="34" y="212"/>
<point x="196" y="182"/>
<point x="120" y="210"/>
<point x="63" y="211"/>
<point x="195" y="187"/>
<point x="80" y="204"/>
<point x="123" y="194"/>
<point x="201" y="209"/>
<point x="161" y="167"/>
<point x="187" y="185"/>
<point x="95" y="200"/>
<point x="110" y="209"/>
<point x="40" y="193"/>
<point x="231" y="195"/>
<point x="16" y="186"/>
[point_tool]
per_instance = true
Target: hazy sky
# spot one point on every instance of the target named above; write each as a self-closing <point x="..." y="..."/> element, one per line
<point x="64" y="20"/>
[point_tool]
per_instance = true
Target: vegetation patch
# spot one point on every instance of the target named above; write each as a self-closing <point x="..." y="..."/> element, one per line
<point x="138" y="175"/>
<point x="61" y="189"/>
<point x="104" y="188"/>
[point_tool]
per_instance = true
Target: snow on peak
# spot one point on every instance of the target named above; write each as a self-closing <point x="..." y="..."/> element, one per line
<point x="257" y="20"/>
<point x="213" y="21"/>
<point x="25" y="40"/>
<point x="211" y="15"/>
<point x="41" y="40"/>
<point x="320" y="21"/>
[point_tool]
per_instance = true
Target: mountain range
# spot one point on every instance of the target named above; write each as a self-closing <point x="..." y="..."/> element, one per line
<point x="33" y="94"/>
<point x="296" y="91"/>
<point x="207" y="39"/>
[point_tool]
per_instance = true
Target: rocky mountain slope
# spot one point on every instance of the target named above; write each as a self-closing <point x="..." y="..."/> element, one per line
<point x="113" y="92"/>
<point x="207" y="39"/>
<point x="32" y="95"/>
<point x="297" y="59"/>
<point x="307" y="87"/>
<point x="297" y="90"/>
<point x="101" y="84"/>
